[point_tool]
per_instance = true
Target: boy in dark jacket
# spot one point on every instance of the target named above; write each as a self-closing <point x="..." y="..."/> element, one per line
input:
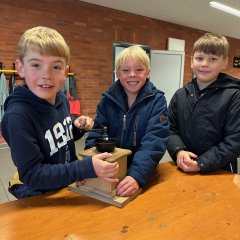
<point x="37" y="124"/>
<point x="204" y="115"/>
<point x="135" y="113"/>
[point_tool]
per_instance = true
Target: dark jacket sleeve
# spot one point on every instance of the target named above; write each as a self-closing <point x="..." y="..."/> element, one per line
<point x="153" y="144"/>
<point x="77" y="133"/>
<point x="175" y="142"/>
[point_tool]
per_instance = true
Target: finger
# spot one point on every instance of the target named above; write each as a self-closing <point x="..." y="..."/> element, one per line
<point x="82" y="121"/>
<point x="180" y="166"/>
<point x="183" y="165"/>
<point x="187" y="169"/>
<point x="109" y="167"/>
<point x="192" y="155"/>
<point x="180" y="163"/>
<point x="78" y="122"/>
<point x="87" y="123"/>
<point x="110" y="172"/>
<point x="126" y="192"/>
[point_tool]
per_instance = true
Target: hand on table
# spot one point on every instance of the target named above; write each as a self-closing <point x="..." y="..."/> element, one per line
<point x="127" y="187"/>
<point x="185" y="161"/>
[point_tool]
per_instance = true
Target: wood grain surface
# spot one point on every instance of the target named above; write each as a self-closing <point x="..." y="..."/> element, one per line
<point x="175" y="205"/>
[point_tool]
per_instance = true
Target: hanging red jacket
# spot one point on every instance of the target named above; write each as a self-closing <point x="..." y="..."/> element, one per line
<point x="75" y="107"/>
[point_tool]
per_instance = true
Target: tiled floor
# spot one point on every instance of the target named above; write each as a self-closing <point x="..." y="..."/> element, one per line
<point x="7" y="169"/>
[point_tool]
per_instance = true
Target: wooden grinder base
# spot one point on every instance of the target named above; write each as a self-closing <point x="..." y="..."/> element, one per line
<point x="101" y="189"/>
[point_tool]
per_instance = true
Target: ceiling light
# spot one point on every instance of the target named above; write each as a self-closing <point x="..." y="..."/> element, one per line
<point x="225" y="8"/>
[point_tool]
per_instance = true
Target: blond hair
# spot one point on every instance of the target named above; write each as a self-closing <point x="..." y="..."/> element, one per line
<point x="136" y="52"/>
<point x="211" y="43"/>
<point x="46" y="41"/>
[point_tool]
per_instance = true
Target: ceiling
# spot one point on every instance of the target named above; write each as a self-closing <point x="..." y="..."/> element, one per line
<point x="191" y="13"/>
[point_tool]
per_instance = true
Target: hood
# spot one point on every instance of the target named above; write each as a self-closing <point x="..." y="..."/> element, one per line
<point x="223" y="81"/>
<point x="22" y="94"/>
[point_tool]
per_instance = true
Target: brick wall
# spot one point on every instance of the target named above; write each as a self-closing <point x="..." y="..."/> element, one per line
<point x="90" y="31"/>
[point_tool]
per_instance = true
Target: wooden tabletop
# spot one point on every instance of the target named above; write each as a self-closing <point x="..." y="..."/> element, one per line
<point x="174" y="206"/>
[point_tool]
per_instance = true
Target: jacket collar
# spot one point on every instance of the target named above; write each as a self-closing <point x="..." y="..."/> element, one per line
<point x="223" y="81"/>
<point x="117" y="91"/>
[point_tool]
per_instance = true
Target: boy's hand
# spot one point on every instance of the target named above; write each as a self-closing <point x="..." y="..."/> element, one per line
<point x="104" y="169"/>
<point x="185" y="161"/>
<point x="127" y="187"/>
<point x="84" y="122"/>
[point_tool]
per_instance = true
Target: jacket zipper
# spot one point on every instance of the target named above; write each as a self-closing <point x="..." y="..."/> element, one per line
<point x="124" y="126"/>
<point x="135" y="126"/>
<point x="135" y="132"/>
<point x="124" y="121"/>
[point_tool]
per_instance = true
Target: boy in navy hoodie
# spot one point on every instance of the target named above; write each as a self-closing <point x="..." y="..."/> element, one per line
<point x="205" y="114"/>
<point x="37" y="124"/>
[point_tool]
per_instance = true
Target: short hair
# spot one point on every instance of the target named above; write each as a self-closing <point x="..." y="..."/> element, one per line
<point x="136" y="52"/>
<point x="46" y="41"/>
<point x="211" y="43"/>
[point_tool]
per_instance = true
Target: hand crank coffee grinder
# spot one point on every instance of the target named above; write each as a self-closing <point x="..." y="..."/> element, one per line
<point x="101" y="189"/>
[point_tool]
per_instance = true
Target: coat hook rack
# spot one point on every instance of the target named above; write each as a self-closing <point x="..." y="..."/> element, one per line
<point x="15" y="71"/>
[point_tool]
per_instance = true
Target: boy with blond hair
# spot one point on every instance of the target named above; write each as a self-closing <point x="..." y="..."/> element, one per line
<point x="204" y="115"/>
<point x="135" y="113"/>
<point x="37" y="124"/>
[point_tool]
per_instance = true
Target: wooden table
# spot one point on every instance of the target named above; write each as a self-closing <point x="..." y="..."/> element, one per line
<point x="175" y="206"/>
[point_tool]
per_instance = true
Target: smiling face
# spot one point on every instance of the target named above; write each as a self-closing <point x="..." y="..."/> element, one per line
<point x="206" y="67"/>
<point x="44" y="75"/>
<point x="132" y="75"/>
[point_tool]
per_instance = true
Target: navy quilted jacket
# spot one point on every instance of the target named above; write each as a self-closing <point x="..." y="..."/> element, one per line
<point x="143" y="128"/>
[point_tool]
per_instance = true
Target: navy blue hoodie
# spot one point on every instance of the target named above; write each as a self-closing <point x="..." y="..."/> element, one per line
<point x="41" y="138"/>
